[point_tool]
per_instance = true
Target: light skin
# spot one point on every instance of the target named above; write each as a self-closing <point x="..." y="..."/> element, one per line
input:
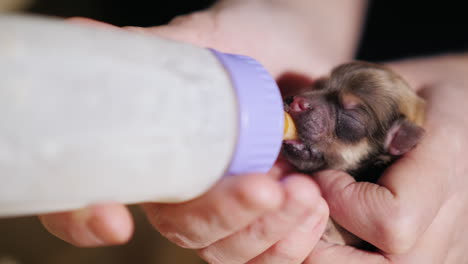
<point x="416" y="213"/>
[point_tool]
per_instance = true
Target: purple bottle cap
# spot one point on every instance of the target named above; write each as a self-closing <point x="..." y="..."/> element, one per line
<point x="261" y="117"/>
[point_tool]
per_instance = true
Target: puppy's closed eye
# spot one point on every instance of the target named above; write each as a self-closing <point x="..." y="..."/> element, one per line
<point x="349" y="126"/>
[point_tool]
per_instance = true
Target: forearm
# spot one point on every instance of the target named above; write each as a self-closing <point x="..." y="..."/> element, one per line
<point x="445" y="66"/>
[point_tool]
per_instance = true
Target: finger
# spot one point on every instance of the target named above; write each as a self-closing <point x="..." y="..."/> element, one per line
<point x="90" y="22"/>
<point x="281" y="168"/>
<point x="198" y="28"/>
<point x="298" y="244"/>
<point x="302" y="198"/>
<point x="97" y="225"/>
<point x="393" y="214"/>
<point x="325" y="253"/>
<point x="231" y="205"/>
<point x="177" y="33"/>
<point x="359" y="207"/>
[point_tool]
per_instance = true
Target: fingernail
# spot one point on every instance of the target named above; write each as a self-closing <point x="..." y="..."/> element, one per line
<point x="87" y="232"/>
<point x="107" y="225"/>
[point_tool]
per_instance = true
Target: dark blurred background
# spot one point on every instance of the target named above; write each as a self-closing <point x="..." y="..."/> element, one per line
<point x="121" y="12"/>
<point x="394" y="29"/>
<point x="399" y="28"/>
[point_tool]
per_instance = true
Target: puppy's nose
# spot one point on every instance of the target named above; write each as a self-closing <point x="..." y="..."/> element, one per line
<point x="299" y="104"/>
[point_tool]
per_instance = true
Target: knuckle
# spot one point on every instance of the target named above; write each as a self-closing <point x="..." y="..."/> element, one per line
<point x="258" y="193"/>
<point x="262" y="230"/>
<point x="181" y="19"/>
<point x="302" y="190"/>
<point x="321" y="208"/>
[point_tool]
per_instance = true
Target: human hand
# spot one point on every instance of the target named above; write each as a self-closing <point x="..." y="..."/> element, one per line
<point x="246" y="217"/>
<point x="417" y="212"/>
<point x="254" y="218"/>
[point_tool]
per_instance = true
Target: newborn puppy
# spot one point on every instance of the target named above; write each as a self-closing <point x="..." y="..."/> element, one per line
<point x="359" y="119"/>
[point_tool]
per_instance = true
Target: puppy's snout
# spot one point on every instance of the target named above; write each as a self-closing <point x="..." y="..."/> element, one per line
<point x="298" y="104"/>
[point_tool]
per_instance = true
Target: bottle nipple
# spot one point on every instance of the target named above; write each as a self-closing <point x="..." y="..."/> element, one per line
<point x="290" y="132"/>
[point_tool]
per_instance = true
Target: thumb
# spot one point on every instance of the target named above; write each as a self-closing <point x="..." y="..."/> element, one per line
<point x="363" y="208"/>
<point x="394" y="213"/>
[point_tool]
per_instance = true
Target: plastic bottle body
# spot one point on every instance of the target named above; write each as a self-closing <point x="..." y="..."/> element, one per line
<point x="81" y="109"/>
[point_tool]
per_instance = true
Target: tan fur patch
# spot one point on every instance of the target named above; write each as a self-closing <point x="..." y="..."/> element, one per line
<point x="350" y="101"/>
<point x="410" y="104"/>
<point x="353" y="154"/>
<point x="413" y="107"/>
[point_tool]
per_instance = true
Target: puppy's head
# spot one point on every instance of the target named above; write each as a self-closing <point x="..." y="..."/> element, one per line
<point x="361" y="112"/>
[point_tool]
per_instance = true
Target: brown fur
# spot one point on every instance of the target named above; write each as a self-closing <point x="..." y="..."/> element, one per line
<point x="359" y="119"/>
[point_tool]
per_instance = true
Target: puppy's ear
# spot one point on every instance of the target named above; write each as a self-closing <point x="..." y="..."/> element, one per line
<point x="406" y="132"/>
<point x="402" y="137"/>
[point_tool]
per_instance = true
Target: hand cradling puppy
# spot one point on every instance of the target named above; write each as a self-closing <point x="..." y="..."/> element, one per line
<point x="359" y="119"/>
